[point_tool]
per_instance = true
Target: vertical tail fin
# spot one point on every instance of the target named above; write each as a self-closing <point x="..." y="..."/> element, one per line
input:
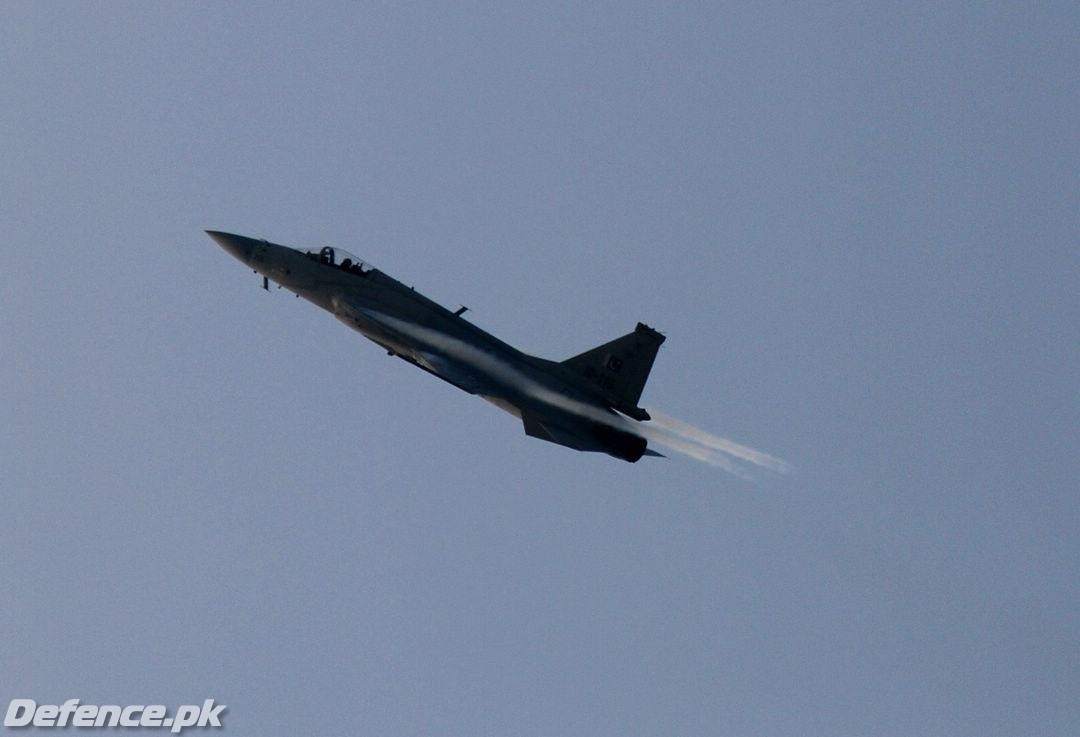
<point x="620" y="368"/>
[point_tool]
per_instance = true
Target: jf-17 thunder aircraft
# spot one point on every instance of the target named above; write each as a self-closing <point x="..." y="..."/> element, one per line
<point x="588" y="402"/>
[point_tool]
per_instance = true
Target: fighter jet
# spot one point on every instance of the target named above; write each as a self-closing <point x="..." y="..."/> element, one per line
<point x="588" y="402"/>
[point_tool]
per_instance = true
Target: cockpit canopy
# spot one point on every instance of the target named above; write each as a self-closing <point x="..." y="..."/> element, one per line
<point x="341" y="259"/>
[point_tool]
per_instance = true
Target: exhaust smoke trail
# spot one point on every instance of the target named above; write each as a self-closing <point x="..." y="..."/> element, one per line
<point x="669" y="432"/>
<point x="714" y="442"/>
<point x="658" y="435"/>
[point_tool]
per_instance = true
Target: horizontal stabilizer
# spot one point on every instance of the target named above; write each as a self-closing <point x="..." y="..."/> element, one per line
<point x="588" y="435"/>
<point x="537" y="428"/>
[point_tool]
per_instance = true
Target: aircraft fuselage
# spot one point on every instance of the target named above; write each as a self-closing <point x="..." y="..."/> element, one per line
<point x="567" y="404"/>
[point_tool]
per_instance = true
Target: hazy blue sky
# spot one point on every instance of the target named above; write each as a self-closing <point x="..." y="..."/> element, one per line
<point x="857" y="225"/>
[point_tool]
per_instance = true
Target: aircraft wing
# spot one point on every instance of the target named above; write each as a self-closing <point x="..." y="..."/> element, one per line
<point x="455" y="372"/>
<point x="399" y="338"/>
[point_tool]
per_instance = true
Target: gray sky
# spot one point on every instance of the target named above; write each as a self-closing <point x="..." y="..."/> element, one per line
<point x="857" y="226"/>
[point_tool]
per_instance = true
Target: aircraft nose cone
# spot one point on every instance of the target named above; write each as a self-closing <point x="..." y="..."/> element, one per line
<point x="237" y="245"/>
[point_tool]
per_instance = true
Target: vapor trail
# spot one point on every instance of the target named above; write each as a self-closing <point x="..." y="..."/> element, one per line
<point x="715" y="442"/>
<point x="657" y="435"/>
<point x="674" y="434"/>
